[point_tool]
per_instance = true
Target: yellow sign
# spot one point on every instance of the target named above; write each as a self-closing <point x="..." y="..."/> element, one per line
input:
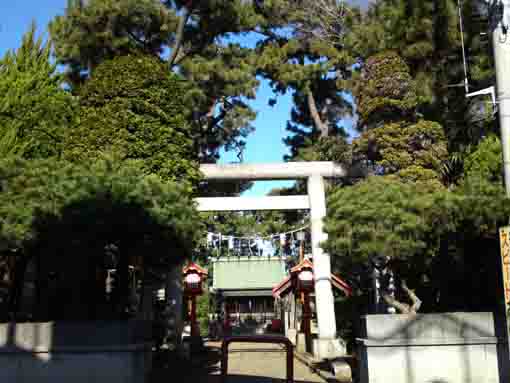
<point x="504" y="241"/>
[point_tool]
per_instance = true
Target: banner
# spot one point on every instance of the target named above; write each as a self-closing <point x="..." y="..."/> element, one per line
<point x="504" y="241"/>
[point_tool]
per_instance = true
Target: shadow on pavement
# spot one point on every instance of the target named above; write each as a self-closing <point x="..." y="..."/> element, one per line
<point x="204" y="368"/>
<point x="170" y="366"/>
<point x="255" y="379"/>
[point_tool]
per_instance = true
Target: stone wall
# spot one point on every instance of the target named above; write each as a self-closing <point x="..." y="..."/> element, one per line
<point x="108" y="352"/>
<point x="429" y="348"/>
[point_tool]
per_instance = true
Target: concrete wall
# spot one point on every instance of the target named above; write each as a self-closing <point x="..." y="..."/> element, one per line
<point x="98" y="352"/>
<point x="429" y="348"/>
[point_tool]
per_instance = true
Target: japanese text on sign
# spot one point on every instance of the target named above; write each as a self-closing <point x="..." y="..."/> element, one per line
<point x="504" y="239"/>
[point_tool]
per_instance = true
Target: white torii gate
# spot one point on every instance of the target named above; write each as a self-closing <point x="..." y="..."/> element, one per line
<point x="328" y="346"/>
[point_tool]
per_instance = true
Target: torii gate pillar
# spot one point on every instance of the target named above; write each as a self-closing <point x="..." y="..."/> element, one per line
<point x="328" y="346"/>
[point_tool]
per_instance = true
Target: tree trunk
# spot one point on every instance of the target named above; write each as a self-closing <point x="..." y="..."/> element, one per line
<point x="319" y="124"/>
<point x="414" y="298"/>
<point x="404" y="308"/>
<point x="179" y="34"/>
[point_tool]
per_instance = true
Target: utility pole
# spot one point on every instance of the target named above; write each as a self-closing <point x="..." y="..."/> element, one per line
<point x="500" y="24"/>
<point x="501" y="44"/>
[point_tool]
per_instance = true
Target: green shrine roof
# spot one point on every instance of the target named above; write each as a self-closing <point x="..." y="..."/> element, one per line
<point x="239" y="273"/>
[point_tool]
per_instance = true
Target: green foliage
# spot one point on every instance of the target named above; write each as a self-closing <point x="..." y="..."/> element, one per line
<point x="34" y="108"/>
<point x="218" y="76"/>
<point x="418" y="31"/>
<point x="385" y="91"/>
<point x="72" y="222"/>
<point x="221" y="74"/>
<point x="486" y="161"/>
<point x="413" y="151"/>
<point x="484" y="206"/>
<point x="383" y="215"/>
<point x="392" y="141"/>
<point x="104" y="202"/>
<point x="203" y="308"/>
<point x="297" y="60"/>
<point x="134" y="108"/>
<point x="247" y="223"/>
<point x="426" y="34"/>
<point x="334" y="148"/>
<point x="93" y="31"/>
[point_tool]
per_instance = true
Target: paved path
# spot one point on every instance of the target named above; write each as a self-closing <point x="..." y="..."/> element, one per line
<point x="248" y="363"/>
<point x="262" y="363"/>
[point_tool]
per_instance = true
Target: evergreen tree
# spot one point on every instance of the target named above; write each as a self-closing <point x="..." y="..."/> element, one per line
<point x="196" y="35"/>
<point x="393" y="139"/>
<point x="383" y="215"/>
<point x="294" y="58"/>
<point x="432" y="235"/>
<point x="133" y="107"/>
<point x="426" y="34"/>
<point x="35" y="110"/>
<point x="93" y="31"/>
<point x="64" y="217"/>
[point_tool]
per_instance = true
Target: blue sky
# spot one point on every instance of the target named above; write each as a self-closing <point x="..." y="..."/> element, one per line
<point x="264" y="145"/>
<point x="16" y="16"/>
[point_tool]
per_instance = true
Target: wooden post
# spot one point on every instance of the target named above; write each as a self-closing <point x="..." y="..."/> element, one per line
<point x="307" y="314"/>
<point x="258" y="339"/>
<point x="194" y="326"/>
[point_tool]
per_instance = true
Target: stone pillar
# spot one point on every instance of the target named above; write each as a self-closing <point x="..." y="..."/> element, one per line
<point x="327" y="346"/>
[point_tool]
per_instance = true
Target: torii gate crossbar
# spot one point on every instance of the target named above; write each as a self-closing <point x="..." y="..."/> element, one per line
<point x="328" y="346"/>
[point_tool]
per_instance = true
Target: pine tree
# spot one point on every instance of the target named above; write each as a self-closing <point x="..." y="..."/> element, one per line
<point x="294" y="58"/>
<point x="426" y="34"/>
<point x="195" y="33"/>
<point x="35" y="110"/>
<point x="133" y="107"/>
<point x="394" y="140"/>
<point x="65" y="216"/>
<point x="93" y="31"/>
<point x="404" y="211"/>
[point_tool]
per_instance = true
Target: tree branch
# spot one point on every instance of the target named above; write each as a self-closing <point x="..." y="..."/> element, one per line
<point x="404" y="308"/>
<point x="180" y="33"/>
<point x="271" y="35"/>
<point x="32" y="128"/>
<point x="322" y="19"/>
<point x="401" y="307"/>
<point x="414" y="298"/>
<point x="215" y="120"/>
<point x="7" y="114"/>
<point x="210" y="119"/>
<point x="137" y="40"/>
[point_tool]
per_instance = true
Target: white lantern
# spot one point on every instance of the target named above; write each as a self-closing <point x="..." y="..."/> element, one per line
<point x="305" y="280"/>
<point x="193" y="283"/>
